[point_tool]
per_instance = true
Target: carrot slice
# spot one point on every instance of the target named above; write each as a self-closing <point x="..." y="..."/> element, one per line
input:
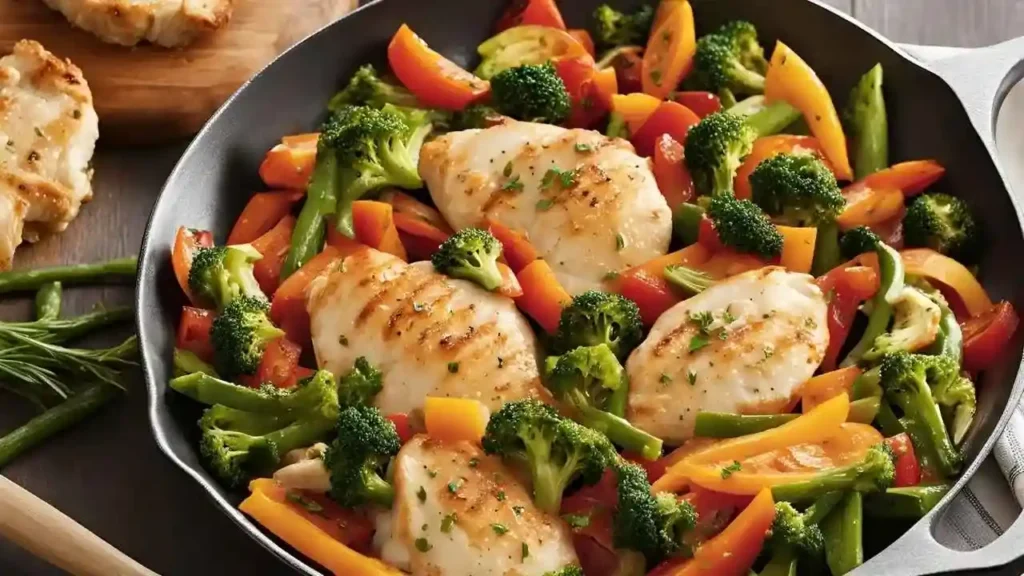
<point x="374" y="225"/>
<point x="543" y="296"/>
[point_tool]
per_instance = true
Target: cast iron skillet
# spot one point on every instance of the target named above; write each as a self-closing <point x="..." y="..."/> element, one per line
<point x="946" y="112"/>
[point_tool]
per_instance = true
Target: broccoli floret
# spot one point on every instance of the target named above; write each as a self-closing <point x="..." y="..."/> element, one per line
<point x="362" y="149"/>
<point x="874" y="473"/>
<point x="791" y="529"/>
<point x="742" y="226"/>
<point x="656" y="525"/>
<point x="471" y="254"/>
<point x="567" y="571"/>
<point x="714" y="149"/>
<point x="857" y="241"/>
<point x="362" y="383"/>
<point x="595" y="318"/>
<point x="532" y="92"/>
<point x="476" y="116"/>
<point x="591" y="381"/>
<point x="690" y="280"/>
<point x="915" y="324"/>
<point x="220" y="274"/>
<point x="796" y="190"/>
<point x="316" y="396"/>
<point x="955" y="395"/>
<point x="368" y="88"/>
<point x="945" y="224"/>
<point x="908" y="382"/>
<point x="615" y="28"/>
<point x="556" y="449"/>
<point x="719" y="64"/>
<point x="743" y="36"/>
<point x="359" y="457"/>
<point x="240" y="334"/>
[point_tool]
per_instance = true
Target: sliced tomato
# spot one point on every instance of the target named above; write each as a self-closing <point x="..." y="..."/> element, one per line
<point x="531" y="12"/>
<point x="845" y="288"/>
<point x="908" y="469"/>
<point x="263" y="211"/>
<point x="670" y="171"/>
<point x="194" y="332"/>
<point x="436" y="81"/>
<point x="702" y="103"/>
<point x="988" y="334"/>
<point x="279" y="362"/>
<point x="274" y="246"/>
<point x="402" y="426"/>
<point x="186" y="243"/>
<point x="668" y="118"/>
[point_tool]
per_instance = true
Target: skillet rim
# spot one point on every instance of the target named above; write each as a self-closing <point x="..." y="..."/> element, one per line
<point x="149" y="249"/>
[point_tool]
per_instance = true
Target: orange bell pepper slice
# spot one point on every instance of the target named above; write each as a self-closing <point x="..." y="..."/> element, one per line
<point x="419" y="237"/>
<point x="768" y="146"/>
<point x="263" y="211"/>
<point x="635" y="108"/>
<point x="436" y="81"/>
<point x="869" y="206"/>
<point x="531" y="13"/>
<point x="374" y="225"/>
<point x="668" y="57"/>
<point x="313" y="536"/>
<point x="543" y="296"/>
<point x="455" y="419"/>
<point x="669" y="118"/>
<point x="734" y="550"/>
<point x="605" y="85"/>
<point x="790" y="78"/>
<point x="797" y="248"/>
<point x="987" y="335"/>
<point x="516" y="248"/>
<point x="583" y="37"/>
<point x="289" y="164"/>
<point x="288" y="307"/>
<point x="589" y="89"/>
<point x="826" y="386"/>
<point x="932" y="265"/>
<point x="187" y="242"/>
<point x="646" y="284"/>
<point x="911" y="177"/>
<point x="670" y="171"/>
<point x="274" y="246"/>
<point x="406" y="204"/>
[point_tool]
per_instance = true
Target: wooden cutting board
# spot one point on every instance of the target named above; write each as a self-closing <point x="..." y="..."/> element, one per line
<point x="149" y="94"/>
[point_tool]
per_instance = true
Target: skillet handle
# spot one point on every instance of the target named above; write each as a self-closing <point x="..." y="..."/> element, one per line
<point x="981" y="78"/>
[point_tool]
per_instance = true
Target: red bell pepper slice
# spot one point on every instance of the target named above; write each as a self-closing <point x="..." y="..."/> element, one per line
<point x="194" y="332"/>
<point x="670" y="171"/>
<point x="402" y="426"/>
<point x="262" y="213"/>
<point x="668" y="118"/>
<point x="988" y="334"/>
<point x="279" y="364"/>
<point x="274" y="246"/>
<point x="531" y="12"/>
<point x="702" y="103"/>
<point x="187" y="242"/>
<point x="845" y="287"/>
<point x="908" y="469"/>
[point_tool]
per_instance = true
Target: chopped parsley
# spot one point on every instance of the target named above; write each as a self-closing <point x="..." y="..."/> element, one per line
<point x="702" y="320"/>
<point x="768" y="351"/>
<point x="454" y="485"/>
<point x="691" y="377"/>
<point x="422" y="494"/>
<point x="343" y="340"/>
<point x="448" y="521"/>
<point x="500" y="496"/>
<point x="656" y="77"/>
<point x="620" y="242"/>
<point x="727" y="317"/>
<point x="499" y="529"/>
<point x="581" y="147"/>
<point x="697" y="342"/>
<point x="432" y="473"/>
<point x="613" y="275"/>
<point x="577" y="521"/>
<point x="507" y="171"/>
<point x="665" y="378"/>
<point x="526" y="550"/>
<point x="810" y="323"/>
<point x="731" y="468"/>
<point x="423" y="545"/>
<point x="473" y="462"/>
<point x="513" y="185"/>
<point x="307" y="504"/>
<point x="453" y="367"/>
<point x="566" y="178"/>
<point x="544" y="204"/>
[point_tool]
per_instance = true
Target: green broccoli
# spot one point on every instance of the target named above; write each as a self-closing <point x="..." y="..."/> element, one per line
<point x="187" y="362"/>
<point x="715" y="148"/>
<point x="359" y="456"/>
<point x="742" y="226"/>
<point x="591" y="381"/>
<point x="874" y="473"/>
<point x="656" y="525"/>
<point x="690" y="280"/>
<point x="368" y="88"/>
<point x="914" y="316"/>
<point x="557" y="450"/>
<point x="720" y="64"/>
<point x="794" y="535"/>
<point x="857" y="241"/>
<point x="891" y="283"/>
<point x="595" y="318"/>
<point x="908" y="382"/>
<point x="240" y="334"/>
<point x="362" y="383"/>
<point x="573" y="570"/>
<point x="220" y="274"/>
<point x="470" y="254"/>
<point x="476" y="116"/>
<point x="532" y="92"/>
<point x="743" y="37"/>
<point x="945" y="224"/>
<point x="614" y="28"/>
<point x="313" y="396"/>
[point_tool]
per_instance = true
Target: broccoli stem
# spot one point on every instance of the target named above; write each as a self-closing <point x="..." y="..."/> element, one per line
<point x="723" y="425"/>
<point x="688" y="279"/>
<point x="378" y="490"/>
<point x="301" y="433"/>
<point x="826" y="248"/>
<point x="186" y="362"/>
<point x="950" y="339"/>
<point x="621" y="432"/>
<point x="844" y="534"/>
<point x="548" y="483"/>
<point x="822" y="507"/>
<point x="782" y="563"/>
<point x="773" y="118"/>
<point x="910" y="502"/>
<point x="890" y="265"/>
<point x="311" y="226"/>
<point x="868" y="125"/>
<point x="48" y="301"/>
<point x="748" y="106"/>
<point x="83" y="403"/>
<point x="887" y="420"/>
<point x="120" y="270"/>
<point x="207" y="389"/>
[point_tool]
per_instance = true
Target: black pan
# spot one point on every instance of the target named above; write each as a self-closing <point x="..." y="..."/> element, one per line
<point x="944" y="111"/>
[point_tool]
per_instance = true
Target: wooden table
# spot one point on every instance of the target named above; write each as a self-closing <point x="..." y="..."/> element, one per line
<point x="109" y="475"/>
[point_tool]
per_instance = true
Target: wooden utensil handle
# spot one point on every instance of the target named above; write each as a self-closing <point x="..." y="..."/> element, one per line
<point x="46" y="532"/>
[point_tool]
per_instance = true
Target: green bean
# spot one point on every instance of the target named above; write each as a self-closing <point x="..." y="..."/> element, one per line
<point x="724" y="425"/>
<point x="868" y="125"/>
<point x="83" y="403"/>
<point x="120" y="270"/>
<point x="867" y="385"/>
<point x="826" y="249"/>
<point x="773" y="118"/>
<point x="48" y="301"/>
<point x="782" y="563"/>
<point x="686" y="222"/>
<point x="844" y="537"/>
<point x="864" y="410"/>
<point x="311" y="226"/>
<point x="887" y="420"/>
<point x="186" y="362"/>
<point x="911" y="502"/>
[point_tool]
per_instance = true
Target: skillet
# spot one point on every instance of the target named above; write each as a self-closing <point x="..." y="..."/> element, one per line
<point x="945" y="111"/>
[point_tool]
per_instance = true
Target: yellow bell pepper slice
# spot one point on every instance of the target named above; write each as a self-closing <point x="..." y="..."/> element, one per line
<point x="797" y="248"/>
<point x="932" y="265"/>
<point x="827" y="386"/>
<point x="455" y="419"/>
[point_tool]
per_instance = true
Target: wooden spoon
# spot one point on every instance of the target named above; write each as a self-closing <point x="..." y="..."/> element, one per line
<point x="46" y="532"/>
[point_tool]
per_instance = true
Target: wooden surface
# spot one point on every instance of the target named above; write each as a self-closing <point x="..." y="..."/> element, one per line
<point x="153" y="94"/>
<point x="161" y="518"/>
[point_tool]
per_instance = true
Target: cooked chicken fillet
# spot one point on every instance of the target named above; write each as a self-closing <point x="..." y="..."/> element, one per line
<point x="743" y="346"/>
<point x="168" y="23"/>
<point x="429" y="335"/>
<point x="48" y="130"/>
<point x="459" y="512"/>
<point x="606" y="216"/>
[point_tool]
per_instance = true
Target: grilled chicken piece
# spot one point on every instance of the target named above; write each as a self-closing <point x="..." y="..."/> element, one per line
<point x="430" y="335"/>
<point x="459" y="512"/>
<point x="743" y="346"/>
<point x="169" y="23"/>
<point x="605" y="214"/>
<point x="48" y="130"/>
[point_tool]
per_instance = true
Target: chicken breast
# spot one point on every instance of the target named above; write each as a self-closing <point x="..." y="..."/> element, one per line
<point x="48" y="131"/>
<point x="743" y="346"/>
<point x="430" y="335"/>
<point x="169" y="23"/>
<point x="589" y="204"/>
<point x="459" y="512"/>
